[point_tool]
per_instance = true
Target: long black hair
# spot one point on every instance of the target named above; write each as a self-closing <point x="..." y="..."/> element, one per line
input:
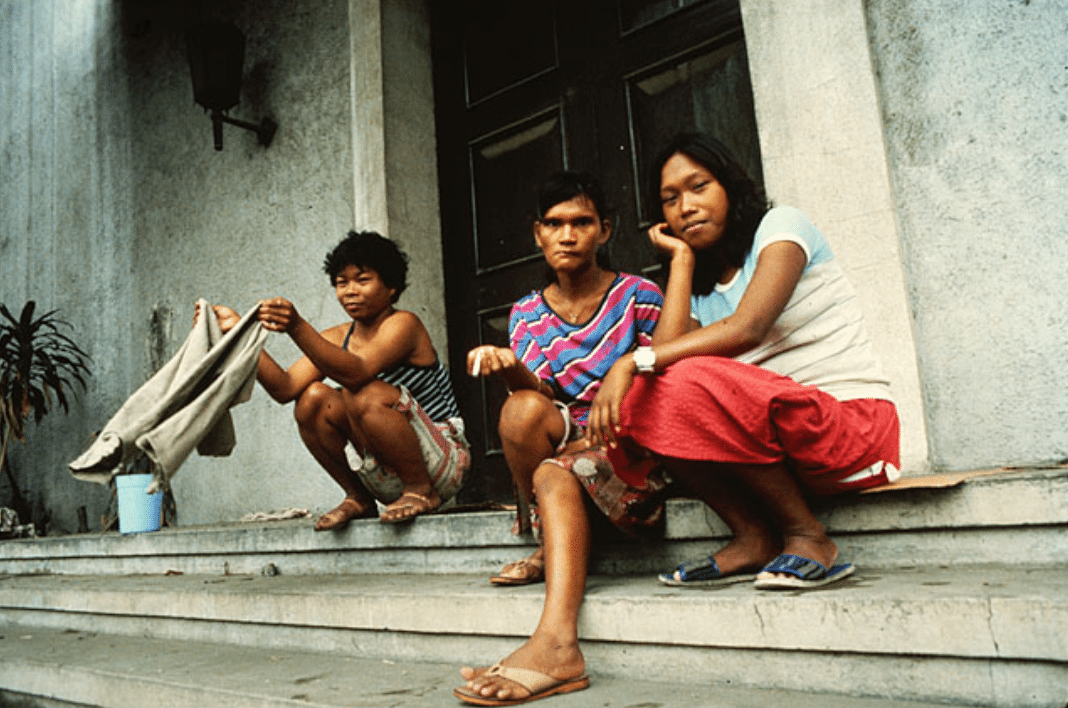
<point x="746" y="201"/>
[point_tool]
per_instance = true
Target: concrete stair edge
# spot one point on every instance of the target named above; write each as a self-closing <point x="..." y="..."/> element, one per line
<point x="91" y="669"/>
<point x="1033" y="502"/>
<point x="981" y="613"/>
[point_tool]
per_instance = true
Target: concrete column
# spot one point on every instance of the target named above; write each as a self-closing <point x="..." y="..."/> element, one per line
<point x="822" y="145"/>
<point x="394" y="147"/>
<point x="368" y="115"/>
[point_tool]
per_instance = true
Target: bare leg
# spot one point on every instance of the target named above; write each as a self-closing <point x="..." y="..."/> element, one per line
<point x="390" y="436"/>
<point x="324" y="428"/>
<point x="756" y="541"/>
<point x="531" y="428"/>
<point x="802" y="533"/>
<point x="553" y="649"/>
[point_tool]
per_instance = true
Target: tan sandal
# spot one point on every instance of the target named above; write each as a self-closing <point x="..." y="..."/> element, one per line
<point x="521" y="572"/>
<point x="538" y="685"/>
<point x="340" y="516"/>
<point x="409" y="510"/>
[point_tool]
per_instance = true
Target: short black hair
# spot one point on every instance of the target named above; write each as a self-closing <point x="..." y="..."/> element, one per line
<point x="746" y="199"/>
<point x="370" y="249"/>
<point x="565" y="186"/>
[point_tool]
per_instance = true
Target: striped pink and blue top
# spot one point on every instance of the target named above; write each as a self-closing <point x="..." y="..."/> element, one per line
<point x="574" y="358"/>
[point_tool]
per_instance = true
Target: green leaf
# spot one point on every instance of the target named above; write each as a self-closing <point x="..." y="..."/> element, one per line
<point x="27" y="315"/>
<point x="39" y="365"/>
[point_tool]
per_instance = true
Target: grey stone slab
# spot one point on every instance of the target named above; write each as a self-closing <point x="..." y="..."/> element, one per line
<point x="1009" y="518"/>
<point x="993" y="613"/>
<point x="131" y="672"/>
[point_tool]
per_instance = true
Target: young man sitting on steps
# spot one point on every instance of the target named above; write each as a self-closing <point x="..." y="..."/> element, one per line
<point x="391" y="429"/>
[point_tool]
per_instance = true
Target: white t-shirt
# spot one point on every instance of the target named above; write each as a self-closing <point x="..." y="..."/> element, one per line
<point x="820" y="338"/>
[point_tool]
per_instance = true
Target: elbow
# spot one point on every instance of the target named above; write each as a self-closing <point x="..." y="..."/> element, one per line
<point x="663" y="335"/>
<point x="733" y="337"/>
<point x="282" y="397"/>
<point x="749" y="336"/>
<point x="351" y="383"/>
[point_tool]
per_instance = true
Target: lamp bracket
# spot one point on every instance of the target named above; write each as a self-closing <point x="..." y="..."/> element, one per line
<point x="264" y="131"/>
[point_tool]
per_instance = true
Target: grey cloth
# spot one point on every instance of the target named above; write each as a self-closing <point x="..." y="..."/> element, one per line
<point x="185" y="405"/>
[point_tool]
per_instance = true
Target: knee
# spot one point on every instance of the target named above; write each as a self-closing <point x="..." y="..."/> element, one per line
<point x="522" y="413"/>
<point x="553" y="482"/>
<point x="312" y="403"/>
<point x="369" y="398"/>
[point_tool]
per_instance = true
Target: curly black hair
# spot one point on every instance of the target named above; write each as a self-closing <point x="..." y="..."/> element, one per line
<point x="747" y="204"/>
<point x="370" y="249"/>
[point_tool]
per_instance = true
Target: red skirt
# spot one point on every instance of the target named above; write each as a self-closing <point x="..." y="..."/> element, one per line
<point x="719" y="410"/>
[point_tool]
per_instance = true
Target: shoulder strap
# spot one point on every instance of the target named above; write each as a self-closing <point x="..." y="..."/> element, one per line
<point x="345" y="344"/>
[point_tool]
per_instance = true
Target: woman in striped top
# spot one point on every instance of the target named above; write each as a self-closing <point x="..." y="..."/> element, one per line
<point x="392" y="430"/>
<point x="563" y="338"/>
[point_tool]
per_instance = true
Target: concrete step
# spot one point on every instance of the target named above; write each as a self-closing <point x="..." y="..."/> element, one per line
<point x="989" y="636"/>
<point x="1011" y="517"/>
<point x="42" y="668"/>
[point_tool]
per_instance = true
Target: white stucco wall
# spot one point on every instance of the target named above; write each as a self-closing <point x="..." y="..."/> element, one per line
<point x="248" y="223"/>
<point x="117" y="209"/>
<point x="66" y="219"/>
<point x="975" y="107"/>
<point x="822" y="150"/>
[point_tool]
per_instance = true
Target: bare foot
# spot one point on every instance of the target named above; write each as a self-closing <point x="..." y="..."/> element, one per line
<point x="563" y="662"/>
<point x="742" y="555"/>
<point x="409" y="506"/>
<point x="819" y="548"/>
<point x="343" y="513"/>
<point x="738" y="561"/>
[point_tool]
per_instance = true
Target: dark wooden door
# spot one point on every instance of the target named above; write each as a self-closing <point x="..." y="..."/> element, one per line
<point x="526" y="88"/>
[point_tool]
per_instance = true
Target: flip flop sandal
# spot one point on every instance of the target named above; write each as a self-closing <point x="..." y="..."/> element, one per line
<point x="540" y="686"/>
<point x="806" y="573"/>
<point x="521" y="572"/>
<point x="703" y="573"/>
<point x="425" y="507"/>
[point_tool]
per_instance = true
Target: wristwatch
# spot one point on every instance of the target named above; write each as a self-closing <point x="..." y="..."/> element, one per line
<point x="644" y="360"/>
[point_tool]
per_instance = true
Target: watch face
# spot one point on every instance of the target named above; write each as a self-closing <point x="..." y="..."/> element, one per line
<point x="644" y="359"/>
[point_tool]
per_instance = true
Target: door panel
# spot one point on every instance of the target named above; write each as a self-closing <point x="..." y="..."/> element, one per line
<point x="504" y="166"/>
<point x="687" y="95"/>
<point x="527" y="88"/>
<point x="507" y="48"/>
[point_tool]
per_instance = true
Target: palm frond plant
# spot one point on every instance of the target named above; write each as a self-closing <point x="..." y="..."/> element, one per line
<point x="39" y="366"/>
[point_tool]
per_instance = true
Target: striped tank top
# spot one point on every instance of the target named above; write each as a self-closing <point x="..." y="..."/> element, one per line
<point x="429" y="385"/>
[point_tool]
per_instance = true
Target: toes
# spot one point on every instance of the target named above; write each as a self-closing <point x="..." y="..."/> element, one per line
<point x="400" y="513"/>
<point x="501" y="689"/>
<point x="409" y="506"/>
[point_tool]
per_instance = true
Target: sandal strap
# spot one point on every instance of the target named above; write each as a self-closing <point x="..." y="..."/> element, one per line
<point x="533" y="681"/>
<point x="416" y="495"/>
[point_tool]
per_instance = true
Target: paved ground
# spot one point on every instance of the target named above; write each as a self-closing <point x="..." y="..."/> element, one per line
<point x="133" y="672"/>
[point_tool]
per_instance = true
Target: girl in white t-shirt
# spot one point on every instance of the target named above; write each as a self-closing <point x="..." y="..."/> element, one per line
<point x="761" y="385"/>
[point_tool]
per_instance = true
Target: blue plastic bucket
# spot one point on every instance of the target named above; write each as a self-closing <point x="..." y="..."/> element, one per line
<point x="137" y="511"/>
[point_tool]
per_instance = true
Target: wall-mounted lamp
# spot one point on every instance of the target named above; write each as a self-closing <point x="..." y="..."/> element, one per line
<point x="216" y="62"/>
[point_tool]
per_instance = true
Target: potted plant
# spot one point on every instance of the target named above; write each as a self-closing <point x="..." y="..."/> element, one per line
<point x="39" y="365"/>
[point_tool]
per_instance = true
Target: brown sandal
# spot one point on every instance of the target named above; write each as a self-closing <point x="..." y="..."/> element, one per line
<point x="521" y="572"/>
<point x="340" y="516"/>
<point x="400" y="511"/>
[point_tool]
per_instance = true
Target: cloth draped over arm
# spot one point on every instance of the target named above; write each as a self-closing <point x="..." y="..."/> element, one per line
<point x="184" y="405"/>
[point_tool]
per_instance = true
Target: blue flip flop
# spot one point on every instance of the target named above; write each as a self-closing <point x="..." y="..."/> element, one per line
<point x="807" y="573"/>
<point x="702" y="573"/>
